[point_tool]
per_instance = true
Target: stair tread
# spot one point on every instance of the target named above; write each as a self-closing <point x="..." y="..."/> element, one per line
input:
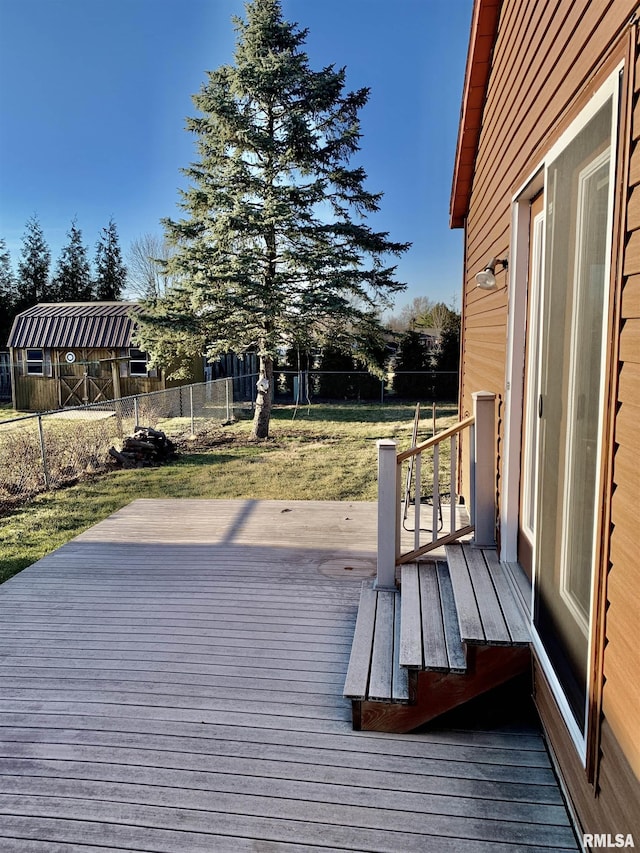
<point x="410" y="627"/>
<point x="434" y="641"/>
<point x="455" y="648"/>
<point x="429" y="630"/>
<point x="357" y="680"/>
<point x="488" y="611"/>
<point x="374" y="672"/>
<point x="400" y="680"/>
<point x="382" y="652"/>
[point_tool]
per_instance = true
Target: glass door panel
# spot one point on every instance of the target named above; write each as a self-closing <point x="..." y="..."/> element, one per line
<point x="574" y="300"/>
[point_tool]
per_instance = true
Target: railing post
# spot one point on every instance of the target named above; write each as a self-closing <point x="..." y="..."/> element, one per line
<point x="227" y="398"/>
<point x="484" y="511"/>
<point x="388" y="514"/>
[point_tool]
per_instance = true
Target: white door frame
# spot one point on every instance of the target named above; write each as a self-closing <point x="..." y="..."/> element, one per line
<point x="514" y="385"/>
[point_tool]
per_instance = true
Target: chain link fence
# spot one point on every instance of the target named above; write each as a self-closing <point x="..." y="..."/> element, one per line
<point x="47" y="451"/>
<point x="360" y="386"/>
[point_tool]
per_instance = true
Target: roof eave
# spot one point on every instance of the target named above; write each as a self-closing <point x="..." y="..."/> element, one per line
<point x="484" y="28"/>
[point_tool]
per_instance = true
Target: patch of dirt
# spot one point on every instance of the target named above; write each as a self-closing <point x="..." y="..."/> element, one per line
<point x="220" y="438"/>
<point x="210" y="439"/>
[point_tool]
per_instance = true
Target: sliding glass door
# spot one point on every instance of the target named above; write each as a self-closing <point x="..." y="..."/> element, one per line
<point x="572" y="334"/>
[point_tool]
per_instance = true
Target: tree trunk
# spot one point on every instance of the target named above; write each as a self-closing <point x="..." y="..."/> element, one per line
<point x="262" y="413"/>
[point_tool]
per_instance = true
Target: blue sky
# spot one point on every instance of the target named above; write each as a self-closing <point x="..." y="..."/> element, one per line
<point x="94" y="96"/>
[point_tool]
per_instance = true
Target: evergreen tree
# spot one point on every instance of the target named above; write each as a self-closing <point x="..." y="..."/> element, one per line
<point x="447" y="358"/>
<point x="33" y="284"/>
<point x="337" y="379"/>
<point x="274" y="246"/>
<point x="72" y="282"/>
<point x="111" y="273"/>
<point x="413" y="355"/>
<point x="7" y="294"/>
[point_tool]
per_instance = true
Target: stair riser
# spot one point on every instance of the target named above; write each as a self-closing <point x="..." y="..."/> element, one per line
<point x="437" y="692"/>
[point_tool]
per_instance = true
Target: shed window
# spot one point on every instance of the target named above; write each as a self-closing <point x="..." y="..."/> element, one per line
<point x="35" y="362"/>
<point x="138" y="362"/>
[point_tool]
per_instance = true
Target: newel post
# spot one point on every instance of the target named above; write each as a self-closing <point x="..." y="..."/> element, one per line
<point x="388" y="514"/>
<point x="484" y="511"/>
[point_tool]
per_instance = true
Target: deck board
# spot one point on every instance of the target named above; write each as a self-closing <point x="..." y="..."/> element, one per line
<point x="381" y="676"/>
<point x="172" y="680"/>
<point x="410" y="630"/>
<point x="455" y="650"/>
<point x="433" y="635"/>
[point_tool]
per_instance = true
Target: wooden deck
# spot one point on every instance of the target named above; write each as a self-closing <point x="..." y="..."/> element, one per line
<point x="172" y="681"/>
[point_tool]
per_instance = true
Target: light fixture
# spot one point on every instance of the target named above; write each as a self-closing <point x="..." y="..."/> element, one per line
<point x="486" y="278"/>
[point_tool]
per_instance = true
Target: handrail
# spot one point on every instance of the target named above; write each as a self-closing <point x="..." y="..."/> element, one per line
<point x="410" y="556"/>
<point x="452" y="434"/>
<point x="480" y="478"/>
<point x="435" y="439"/>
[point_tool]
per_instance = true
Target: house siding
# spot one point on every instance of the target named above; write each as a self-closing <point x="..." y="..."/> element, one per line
<point x="621" y="693"/>
<point x="539" y="68"/>
<point x="549" y="59"/>
<point x="612" y="805"/>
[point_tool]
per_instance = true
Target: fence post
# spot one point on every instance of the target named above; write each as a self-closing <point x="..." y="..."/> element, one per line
<point x="193" y="432"/>
<point x="136" y="419"/>
<point x="388" y="514"/>
<point x="43" y="453"/>
<point x="484" y="511"/>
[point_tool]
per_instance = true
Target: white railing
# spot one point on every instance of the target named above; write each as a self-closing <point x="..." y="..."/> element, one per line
<point x="393" y="510"/>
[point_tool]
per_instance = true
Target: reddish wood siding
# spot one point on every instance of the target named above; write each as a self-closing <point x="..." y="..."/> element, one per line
<point x="608" y="809"/>
<point x="621" y="692"/>
<point x="539" y="68"/>
<point x="549" y="58"/>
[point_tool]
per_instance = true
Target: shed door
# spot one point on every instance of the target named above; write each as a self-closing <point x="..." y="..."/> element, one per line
<point x="578" y="227"/>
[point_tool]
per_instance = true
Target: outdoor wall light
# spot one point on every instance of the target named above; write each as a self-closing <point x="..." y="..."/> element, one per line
<point x="486" y="278"/>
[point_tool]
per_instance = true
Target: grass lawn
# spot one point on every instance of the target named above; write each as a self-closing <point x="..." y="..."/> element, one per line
<point x="324" y="453"/>
<point x="7" y="412"/>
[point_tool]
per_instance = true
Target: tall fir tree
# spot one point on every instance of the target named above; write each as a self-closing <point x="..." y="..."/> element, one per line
<point x="72" y="281"/>
<point x="33" y="284"/>
<point x="413" y="378"/>
<point x="274" y="245"/>
<point x="447" y="358"/>
<point x="7" y="294"/>
<point x="111" y="273"/>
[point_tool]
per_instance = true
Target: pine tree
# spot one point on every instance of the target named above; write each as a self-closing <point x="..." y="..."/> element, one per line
<point x="72" y="282"/>
<point x="413" y="355"/>
<point x="33" y="283"/>
<point x="447" y="358"/>
<point x="7" y="294"/>
<point x="274" y="246"/>
<point x="111" y="273"/>
<point x="337" y="377"/>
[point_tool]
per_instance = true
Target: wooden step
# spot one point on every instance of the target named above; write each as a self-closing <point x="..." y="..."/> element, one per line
<point x="374" y="673"/>
<point x="488" y="611"/>
<point x="439" y="692"/>
<point x="456" y="630"/>
<point x="429" y="633"/>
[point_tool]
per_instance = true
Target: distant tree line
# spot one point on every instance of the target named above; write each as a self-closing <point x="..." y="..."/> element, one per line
<point x="434" y="366"/>
<point x="419" y="349"/>
<point x="71" y="280"/>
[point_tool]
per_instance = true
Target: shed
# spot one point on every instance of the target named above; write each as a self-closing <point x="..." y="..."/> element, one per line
<point x="75" y="353"/>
